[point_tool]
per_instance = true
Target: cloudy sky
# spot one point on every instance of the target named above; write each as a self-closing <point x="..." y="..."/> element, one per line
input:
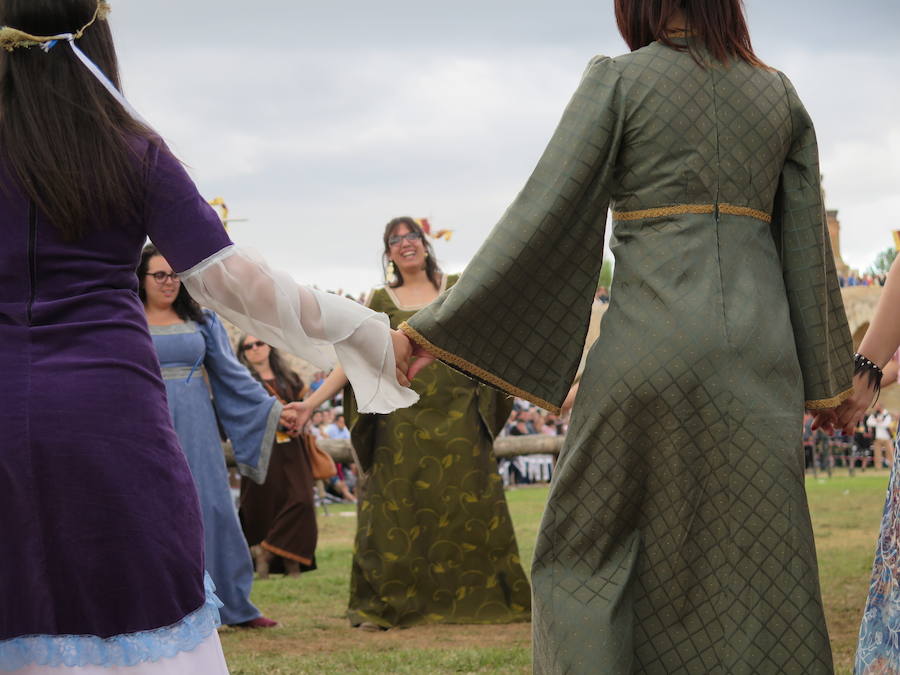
<point x="319" y="121"/>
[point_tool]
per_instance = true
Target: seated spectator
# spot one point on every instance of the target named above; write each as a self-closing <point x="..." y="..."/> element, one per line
<point x="315" y="424"/>
<point x="318" y="379"/>
<point x="338" y="429"/>
<point x="521" y="428"/>
<point x="549" y="426"/>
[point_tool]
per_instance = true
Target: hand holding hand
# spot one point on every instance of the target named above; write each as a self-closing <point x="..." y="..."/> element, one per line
<point x="421" y="358"/>
<point x="301" y="411"/>
<point x="824" y="420"/>
<point x="849" y="413"/>
<point x="402" y="352"/>
<point x="288" y="420"/>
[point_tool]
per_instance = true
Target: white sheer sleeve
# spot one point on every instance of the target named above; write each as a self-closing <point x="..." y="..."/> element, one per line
<point x="318" y="327"/>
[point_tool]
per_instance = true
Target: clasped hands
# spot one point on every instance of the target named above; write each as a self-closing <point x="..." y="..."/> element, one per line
<point x="849" y="413"/>
<point x="409" y="357"/>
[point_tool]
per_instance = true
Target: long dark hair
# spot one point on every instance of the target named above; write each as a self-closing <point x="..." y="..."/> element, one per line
<point x="66" y="139"/>
<point x="718" y="24"/>
<point x="431" y="267"/>
<point x="286" y="379"/>
<point x="185" y="306"/>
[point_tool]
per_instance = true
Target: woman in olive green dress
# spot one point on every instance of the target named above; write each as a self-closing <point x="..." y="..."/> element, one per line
<point x="677" y="536"/>
<point x="434" y="541"/>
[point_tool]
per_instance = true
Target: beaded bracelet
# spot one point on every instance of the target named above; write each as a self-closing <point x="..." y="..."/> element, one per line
<point x="862" y="365"/>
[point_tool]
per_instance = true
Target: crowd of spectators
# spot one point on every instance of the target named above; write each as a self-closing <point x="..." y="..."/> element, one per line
<point x="862" y="280"/>
<point x="870" y="444"/>
<point x="527" y="419"/>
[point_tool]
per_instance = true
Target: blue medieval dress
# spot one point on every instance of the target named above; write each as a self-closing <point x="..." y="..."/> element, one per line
<point x="191" y="355"/>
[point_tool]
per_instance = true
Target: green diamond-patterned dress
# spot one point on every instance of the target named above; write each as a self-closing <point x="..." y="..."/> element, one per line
<point x="434" y="540"/>
<point x="677" y="536"/>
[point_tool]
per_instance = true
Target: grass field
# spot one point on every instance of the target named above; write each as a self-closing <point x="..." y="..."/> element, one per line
<point x="314" y="636"/>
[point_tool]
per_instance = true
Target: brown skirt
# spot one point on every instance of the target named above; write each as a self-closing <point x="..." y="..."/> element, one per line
<point x="280" y="514"/>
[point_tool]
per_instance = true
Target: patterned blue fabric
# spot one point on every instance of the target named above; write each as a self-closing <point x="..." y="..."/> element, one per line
<point x="879" y="633"/>
<point x="119" y="650"/>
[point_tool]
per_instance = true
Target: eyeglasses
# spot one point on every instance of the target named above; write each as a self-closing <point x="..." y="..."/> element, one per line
<point x="253" y="345"/>
<point x="397" y="239"/>
<point x="162" y="277"/>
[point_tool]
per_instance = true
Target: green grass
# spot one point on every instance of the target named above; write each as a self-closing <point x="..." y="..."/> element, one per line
<point x="314" y="636"/>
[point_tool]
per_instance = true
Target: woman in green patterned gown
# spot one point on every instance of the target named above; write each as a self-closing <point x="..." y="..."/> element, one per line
<point x="434" y="540"/>
<point x="677" y="536"/>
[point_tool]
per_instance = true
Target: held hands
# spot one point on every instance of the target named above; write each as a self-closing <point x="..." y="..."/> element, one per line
<point x="288" y="421"/>
<point x="402" y="353"/>
<point x="409" y="356"/>
<point x="421" y="358"/>
<point x="849" y="413"/>
<point x="301" y="412"/>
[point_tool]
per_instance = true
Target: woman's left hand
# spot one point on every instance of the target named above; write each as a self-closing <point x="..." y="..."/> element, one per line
<point x="824" y="420"/>
<point x="288" y="420"/>
<point x="849" y="413"/>
<point x="420" y="359"/>
<point x="402" y="352"/>
<point x="302" y="411"/>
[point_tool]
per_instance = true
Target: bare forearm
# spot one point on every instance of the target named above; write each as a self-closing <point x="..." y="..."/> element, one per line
<point x="890" y="373"/>
<point x="336" y="381"/>
<point x="883" y="336"/>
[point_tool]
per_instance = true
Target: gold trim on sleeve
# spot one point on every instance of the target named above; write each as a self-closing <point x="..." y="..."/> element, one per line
<point x="827" y="403"/>
<point x="470" y="368"/>
<point x="700" y="209"/>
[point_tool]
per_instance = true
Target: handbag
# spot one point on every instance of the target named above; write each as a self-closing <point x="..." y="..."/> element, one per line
<point x="323" y="466"/>
<point x="321" y="463"/>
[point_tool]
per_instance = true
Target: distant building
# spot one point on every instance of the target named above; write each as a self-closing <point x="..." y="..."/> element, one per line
<point x="834" y="229"/>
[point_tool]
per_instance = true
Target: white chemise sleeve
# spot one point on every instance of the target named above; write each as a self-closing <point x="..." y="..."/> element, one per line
<point x="316" y="326"/>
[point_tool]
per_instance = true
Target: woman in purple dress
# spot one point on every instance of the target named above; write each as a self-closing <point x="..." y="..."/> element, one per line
<point x="101" y="527"/>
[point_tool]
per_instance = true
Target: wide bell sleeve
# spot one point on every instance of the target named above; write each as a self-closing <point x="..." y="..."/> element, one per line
<point x="518" y="318"/>
<point x="235" y="282"/>
<point x="822" y="336"/>
<point x="248" y="414"/>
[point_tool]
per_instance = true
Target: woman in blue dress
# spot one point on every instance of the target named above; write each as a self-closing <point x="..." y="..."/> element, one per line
<point x="193" y="349"/>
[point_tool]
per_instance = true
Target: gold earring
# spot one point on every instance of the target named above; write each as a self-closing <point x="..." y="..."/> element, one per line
<point x="391" y="272"/>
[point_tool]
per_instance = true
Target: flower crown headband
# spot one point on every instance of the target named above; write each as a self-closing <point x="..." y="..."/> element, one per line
<point x="12" y="38"/>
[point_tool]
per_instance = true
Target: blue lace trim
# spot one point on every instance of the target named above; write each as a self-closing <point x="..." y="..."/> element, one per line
<point x="120" y="650"/>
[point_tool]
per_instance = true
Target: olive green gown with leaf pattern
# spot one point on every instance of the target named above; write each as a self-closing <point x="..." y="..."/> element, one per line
<point x="434" y="541"/>
<point x="677" y="536"/>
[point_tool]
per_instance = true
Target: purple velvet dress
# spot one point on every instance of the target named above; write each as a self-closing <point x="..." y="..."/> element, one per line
<point x="100" y="526"/>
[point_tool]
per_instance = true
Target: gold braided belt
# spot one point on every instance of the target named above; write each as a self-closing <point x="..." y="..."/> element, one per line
<point x="702" y="209"/>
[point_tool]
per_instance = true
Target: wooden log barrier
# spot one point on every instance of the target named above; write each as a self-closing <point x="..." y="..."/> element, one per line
<point x="505" y="447"/>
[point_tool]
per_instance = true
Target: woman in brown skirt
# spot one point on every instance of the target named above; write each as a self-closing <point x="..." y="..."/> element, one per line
<point x="279" y="516"/>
